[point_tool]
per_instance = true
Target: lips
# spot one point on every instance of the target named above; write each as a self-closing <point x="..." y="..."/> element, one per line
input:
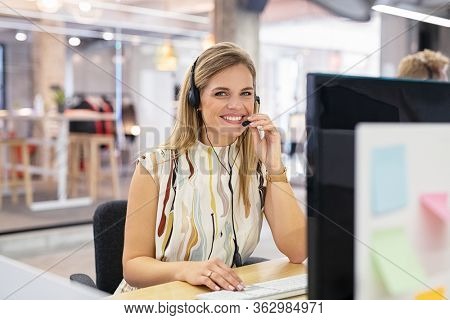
<point x="232" y="118"/>
<point x="235" y="119"/>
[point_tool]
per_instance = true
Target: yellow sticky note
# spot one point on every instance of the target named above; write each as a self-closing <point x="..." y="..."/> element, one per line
<point x="435" y="294"/>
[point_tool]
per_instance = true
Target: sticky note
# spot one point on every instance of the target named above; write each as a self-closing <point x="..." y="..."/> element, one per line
<point x="388" y="177"/>
<point x="437" y="204"/>
<point x="435" y="294"/>
<point x="396" y="261"/>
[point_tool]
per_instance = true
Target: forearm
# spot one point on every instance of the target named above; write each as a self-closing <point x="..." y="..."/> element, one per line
<point x="146" y="271"/>
<point x="286" y="220"/>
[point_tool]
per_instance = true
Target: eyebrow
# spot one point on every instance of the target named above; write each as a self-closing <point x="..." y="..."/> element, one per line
<point x="227" y="89"/>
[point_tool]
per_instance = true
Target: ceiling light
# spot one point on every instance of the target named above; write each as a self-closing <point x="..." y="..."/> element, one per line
<point x="135" y="130"/>
<point x="108" y="36"/>
<point x="21" y="36"/>
<point x="165" y="57"/>
<point x="412" y="15"/>
<point x="50" y="6"/>
<point x="74" y="41"/>
<point x="85" y="6"/>
<point x="24" y="111"/>
<point x="208" y="41"/>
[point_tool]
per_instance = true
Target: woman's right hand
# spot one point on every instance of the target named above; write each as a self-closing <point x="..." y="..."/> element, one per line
<point x="212" y="273"/>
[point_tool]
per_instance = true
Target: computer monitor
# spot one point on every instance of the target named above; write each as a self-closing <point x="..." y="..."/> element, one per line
<point x="335" y="105"/>
<point x="24" y="282"/>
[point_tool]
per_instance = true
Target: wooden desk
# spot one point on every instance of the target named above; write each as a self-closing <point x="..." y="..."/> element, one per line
<point x="177" y="290"/>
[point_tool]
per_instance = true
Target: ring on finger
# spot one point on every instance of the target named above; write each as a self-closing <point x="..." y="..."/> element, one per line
<point x="209" y="274"/>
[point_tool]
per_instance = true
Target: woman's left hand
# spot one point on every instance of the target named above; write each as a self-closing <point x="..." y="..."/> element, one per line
<point x="267" y="149"/>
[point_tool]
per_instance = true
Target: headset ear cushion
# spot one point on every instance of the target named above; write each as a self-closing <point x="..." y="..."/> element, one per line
<point x="257" y="103"/>
<point x="194" y="97"/>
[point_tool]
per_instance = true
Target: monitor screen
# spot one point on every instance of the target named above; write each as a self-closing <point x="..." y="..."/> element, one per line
<point x="335" y="105"/>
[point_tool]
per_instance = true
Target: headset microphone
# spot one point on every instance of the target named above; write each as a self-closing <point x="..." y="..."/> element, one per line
<point x="258" y="101"/>
<point x="245" y="123"/>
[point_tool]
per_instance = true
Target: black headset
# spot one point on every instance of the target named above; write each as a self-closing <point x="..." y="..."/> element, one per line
<point x="194" y="93"/>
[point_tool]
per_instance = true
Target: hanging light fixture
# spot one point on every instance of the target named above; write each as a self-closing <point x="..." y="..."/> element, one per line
<point x="108" y="36"/>
<point x="85" y="6"/>
<point x="21" y="36"/>
<point x="165" y="57"/>
<point x="74" y="41"/>
<point x="208" y="41"/>
<point x="49" y="6"/>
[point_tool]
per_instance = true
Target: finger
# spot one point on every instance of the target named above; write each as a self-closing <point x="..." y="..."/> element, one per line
<point x="226" y="277"/>
<point x="234" y="279"/>
<point x="220" y="280"/>
<point x="264" y="126"/>
<point x="210" y="284"/>
<point x="258" y="135"/>
<point x="268" y="127"/>
<point x="258" y="116"/>
<point x="262" y="122"/>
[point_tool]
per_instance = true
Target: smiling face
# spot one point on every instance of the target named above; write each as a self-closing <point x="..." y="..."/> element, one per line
<point x="226" y="101"/>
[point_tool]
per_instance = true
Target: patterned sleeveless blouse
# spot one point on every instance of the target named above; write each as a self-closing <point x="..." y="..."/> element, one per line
<point x="194" y="214"/>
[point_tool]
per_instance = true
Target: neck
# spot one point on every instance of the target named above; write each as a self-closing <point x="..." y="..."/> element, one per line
<point x="214" y="138"/>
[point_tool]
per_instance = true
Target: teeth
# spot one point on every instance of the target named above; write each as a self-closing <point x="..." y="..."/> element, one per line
<point x="233" y="118"/>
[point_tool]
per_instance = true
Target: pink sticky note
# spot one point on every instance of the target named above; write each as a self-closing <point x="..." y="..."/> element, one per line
<point x="436" y="203"/>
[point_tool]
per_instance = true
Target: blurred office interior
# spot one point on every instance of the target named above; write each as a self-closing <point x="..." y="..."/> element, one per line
<point x="61" y="60"/>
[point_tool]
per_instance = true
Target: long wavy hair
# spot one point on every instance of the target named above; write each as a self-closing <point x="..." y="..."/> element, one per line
<point x="189" y="122"/>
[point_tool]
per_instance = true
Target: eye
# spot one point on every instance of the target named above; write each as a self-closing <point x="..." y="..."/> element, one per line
<point x="220" y="94"/>
<point x="247" y="93"/>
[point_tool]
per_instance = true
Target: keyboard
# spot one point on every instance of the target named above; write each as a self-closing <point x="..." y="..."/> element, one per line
<point x="275" y="289"/>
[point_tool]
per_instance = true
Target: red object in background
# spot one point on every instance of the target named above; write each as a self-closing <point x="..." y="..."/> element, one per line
<point x="108" y="125"/>
<point x="105" y="126"/>
<point x="17" y="152"/>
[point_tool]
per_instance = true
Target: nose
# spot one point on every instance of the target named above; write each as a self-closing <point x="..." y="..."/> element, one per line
<point x="235" y="102"/>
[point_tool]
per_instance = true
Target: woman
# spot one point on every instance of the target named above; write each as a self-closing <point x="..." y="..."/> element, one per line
<point x="196" y="204"/>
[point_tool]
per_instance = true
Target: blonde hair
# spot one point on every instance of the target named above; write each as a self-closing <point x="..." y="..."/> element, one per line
<point x="189" y="122"/>
<point x="425" y="64"/>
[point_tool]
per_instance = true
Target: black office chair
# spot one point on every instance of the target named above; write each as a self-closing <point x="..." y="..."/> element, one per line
<point x="109" y="226"/>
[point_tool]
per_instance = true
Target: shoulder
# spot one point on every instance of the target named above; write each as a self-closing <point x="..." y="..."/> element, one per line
<point x="155" y="159"/>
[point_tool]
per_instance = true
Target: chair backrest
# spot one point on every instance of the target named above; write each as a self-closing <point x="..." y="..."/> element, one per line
<point x="109" y="226"/>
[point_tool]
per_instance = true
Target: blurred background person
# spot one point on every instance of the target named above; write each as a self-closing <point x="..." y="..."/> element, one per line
<point x="424" y="65"/>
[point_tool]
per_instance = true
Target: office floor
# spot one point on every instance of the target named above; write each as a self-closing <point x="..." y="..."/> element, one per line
<point x="68" y="250"/>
